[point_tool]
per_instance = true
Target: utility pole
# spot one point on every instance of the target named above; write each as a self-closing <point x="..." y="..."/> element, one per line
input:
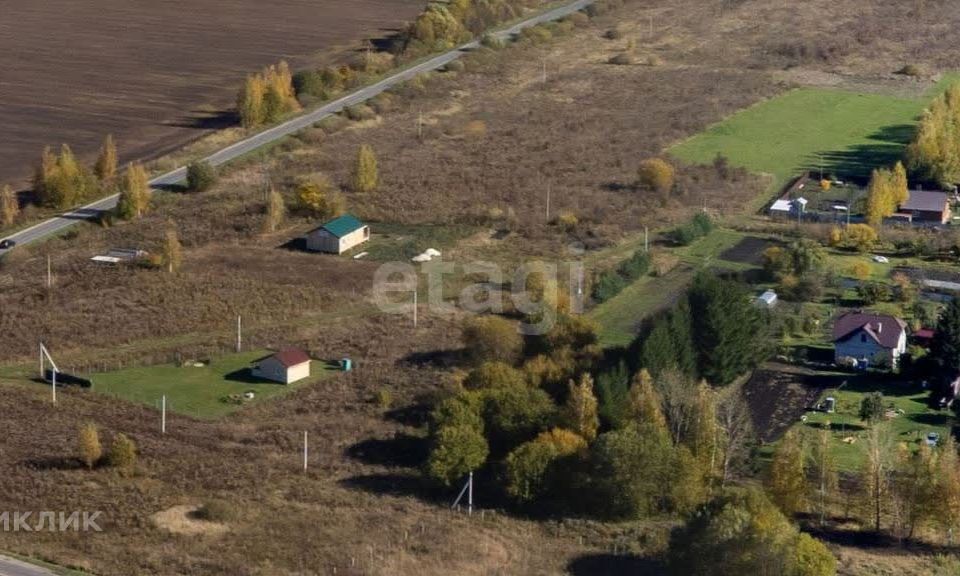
<point x="544" y="70"/>
<point x="306" y="452"/>
<point x="49" y="274"/>
<point x="239" y="334"/>
<point x="646" y="239"/>
<point x="415" y="307"/>
<point x="420" y="125"/>
<point x="548" y="201"/>
<point x="470" y="495"/>
<point x="163" y="414"/>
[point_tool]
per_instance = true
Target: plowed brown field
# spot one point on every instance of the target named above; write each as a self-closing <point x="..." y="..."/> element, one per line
<point x="155" y="74"/>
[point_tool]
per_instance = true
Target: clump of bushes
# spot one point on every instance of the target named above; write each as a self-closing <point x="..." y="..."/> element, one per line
<point x="201" y="176"/>
<point x="215" y="511"/>
<point x="612" y="282"/>
<point x="657" y="175"/>
<point x="697" y="228"/>
<point x="621" y="59"/>
<point x="360" y="112"/>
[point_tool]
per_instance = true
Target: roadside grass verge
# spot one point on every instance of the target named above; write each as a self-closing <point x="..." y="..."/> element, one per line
<point x="199" y="391"/>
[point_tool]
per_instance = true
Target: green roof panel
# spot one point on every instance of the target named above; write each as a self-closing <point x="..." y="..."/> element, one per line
<point x="343" y="225"/>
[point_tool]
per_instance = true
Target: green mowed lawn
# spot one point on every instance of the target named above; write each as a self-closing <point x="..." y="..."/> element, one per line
<point x="849" y="133"/>
<point x="199" y="391"/>
<point x="620" y="316"/>
<point x="911" y="419"/>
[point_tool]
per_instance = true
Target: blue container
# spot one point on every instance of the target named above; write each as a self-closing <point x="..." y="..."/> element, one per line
<point x="346" y="365"/>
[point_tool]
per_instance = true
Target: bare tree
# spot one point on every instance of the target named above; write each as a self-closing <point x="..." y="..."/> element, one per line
<point x="736" y="428"/>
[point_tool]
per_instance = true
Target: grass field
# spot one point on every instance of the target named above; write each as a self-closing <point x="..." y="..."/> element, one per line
<point x="620" y="316"/>
<point x="908" y="428"/>
<point x="198" y="391"/>
<point x="847" y="133"/>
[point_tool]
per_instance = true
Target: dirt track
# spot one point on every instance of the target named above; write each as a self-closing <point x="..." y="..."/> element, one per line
<point x="74" y="71"/>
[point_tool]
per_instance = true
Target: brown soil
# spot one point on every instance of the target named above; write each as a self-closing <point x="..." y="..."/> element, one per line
<point x="155" y="74"/>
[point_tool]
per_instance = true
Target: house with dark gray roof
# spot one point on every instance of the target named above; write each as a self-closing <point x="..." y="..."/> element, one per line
<point x="864" y="339"/>
<point x="924" y="206"/>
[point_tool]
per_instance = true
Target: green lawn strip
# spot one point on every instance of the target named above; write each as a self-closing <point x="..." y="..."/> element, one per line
<point x="199" y="391"/>
<point x="909" y="428"/>
<point x="707" y="250"/>
<point x="849" y="133"/>
<point x="619" y="316"/>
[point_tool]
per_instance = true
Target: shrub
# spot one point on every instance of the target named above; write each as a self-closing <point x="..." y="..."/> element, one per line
<point x="657" y="175"/>
<point x="490" y="375"/>
<point x="360" y="112"/>
<point x="89" y="444"/>
<point x="608" y="285"/>
<point x="567" y="220"/>
<point x="492" y="42"/>
<point x="492" y="338"/>
<point x="698" y="227"/>
<point x="215" y="511"/>
<point x="310" y="83"/>
<point x="475" y="128"/>
<point x="621" y="59"/>
<point x="332" y="123"/>
<point x="455" y="66"/>
<point x="579" y="19"/>
<point x="201" y="176"/>
<point x="911" y="70"/>
<point x="123" y="455"/>
<point x="382" y="103"/>
<point x="873" y="292"/>
<point x="613" y="34"/>
<point x="384" y="399"/>
<point x="536" y="34"/>
<point x="635" y="266"/>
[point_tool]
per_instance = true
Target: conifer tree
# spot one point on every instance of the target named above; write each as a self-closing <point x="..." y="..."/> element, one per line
<point x="365" y="174"/>
<point x="787" y="475"/>
<point x="9" y="206"/>
<point x="580" y="412"/>
<point x="106" y="166"/>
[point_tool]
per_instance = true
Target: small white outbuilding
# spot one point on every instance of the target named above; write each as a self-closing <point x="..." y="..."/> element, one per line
<point x="338" y="235"/>
<point x="286" y="366"/>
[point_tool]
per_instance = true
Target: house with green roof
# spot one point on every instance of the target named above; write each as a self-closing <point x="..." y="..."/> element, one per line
<point x="338" y="235"/>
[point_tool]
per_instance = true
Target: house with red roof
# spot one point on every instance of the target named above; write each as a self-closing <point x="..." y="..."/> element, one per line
<point x="864" y="339"/>
<point x="286" y="366"/>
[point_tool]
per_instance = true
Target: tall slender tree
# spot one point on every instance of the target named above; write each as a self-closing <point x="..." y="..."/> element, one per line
<point x="366" y="176"/>
<point x="787" y="474"/>
<point x="9" y="206"/>
<point x="580" y="412"/>
<point x="824" y="478"/>
<point x="876" y="473"/>
<point x="106" y="167"/>
<point x="172" y="251"/>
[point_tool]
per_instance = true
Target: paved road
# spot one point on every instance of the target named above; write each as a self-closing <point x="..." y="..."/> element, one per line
<point x="60" y="223"/>
<point x="11" y="567"/>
